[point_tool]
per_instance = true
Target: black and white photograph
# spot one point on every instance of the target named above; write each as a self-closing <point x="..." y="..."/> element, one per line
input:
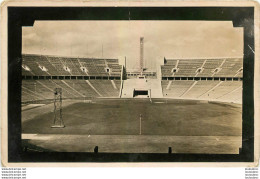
<point x="132" y="84"/>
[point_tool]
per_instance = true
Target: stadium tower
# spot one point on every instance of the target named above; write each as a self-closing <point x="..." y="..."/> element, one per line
<point x="141" y="82"/>
<point x="141" y="55"/>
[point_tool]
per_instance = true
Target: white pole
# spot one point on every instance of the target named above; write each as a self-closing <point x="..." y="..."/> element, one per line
<point x="140" y="133"/>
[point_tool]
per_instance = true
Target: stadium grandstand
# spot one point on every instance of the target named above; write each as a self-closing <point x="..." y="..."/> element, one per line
<point x="79" y="78"/>
<point x="192" y="105"/>
<point x="209" y="79"/>
<point x="203" y="79"/>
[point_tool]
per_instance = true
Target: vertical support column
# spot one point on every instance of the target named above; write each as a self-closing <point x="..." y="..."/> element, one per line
<point x="58" y="121"/>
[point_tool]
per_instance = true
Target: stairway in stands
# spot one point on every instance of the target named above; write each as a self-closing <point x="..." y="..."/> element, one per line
<point x="156" y="88"/>
<point x="149" y="84"/>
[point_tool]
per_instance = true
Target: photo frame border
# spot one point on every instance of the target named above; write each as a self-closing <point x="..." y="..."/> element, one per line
<point x="25" y="16"/>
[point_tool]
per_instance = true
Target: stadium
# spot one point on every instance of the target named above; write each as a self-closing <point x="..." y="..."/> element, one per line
<point x="82" y="104"/>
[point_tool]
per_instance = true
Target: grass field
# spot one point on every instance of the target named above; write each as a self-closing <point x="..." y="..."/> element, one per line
<point x="199" y="125"/>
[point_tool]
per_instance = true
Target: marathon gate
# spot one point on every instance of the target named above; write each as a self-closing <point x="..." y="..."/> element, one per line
<point x="141" y="93"/>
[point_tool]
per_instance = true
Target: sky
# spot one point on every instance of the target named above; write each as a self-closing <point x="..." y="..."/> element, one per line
<point x="120" y="39"/>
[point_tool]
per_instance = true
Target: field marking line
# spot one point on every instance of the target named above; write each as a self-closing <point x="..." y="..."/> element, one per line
<point x="140" y="132"/>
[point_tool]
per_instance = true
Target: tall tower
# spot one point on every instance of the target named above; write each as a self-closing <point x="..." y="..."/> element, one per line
<point x="141" y="54"/>
<point x="58" y="121"/>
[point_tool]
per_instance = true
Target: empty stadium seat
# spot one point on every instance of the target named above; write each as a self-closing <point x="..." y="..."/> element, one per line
<point x="189" y="67"/>
<point x="69" y="66"/>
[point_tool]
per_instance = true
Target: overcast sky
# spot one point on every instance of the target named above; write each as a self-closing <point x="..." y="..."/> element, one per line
<point x="170" y="39"/>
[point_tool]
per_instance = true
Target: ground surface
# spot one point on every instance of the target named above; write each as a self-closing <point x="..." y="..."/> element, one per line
<point x="122" y="117"/>
<point x="136" y="143"/>
<point x="114" y="126"/>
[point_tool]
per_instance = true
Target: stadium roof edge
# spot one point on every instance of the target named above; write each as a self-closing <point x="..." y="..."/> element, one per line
<point x="67" y="56"/>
